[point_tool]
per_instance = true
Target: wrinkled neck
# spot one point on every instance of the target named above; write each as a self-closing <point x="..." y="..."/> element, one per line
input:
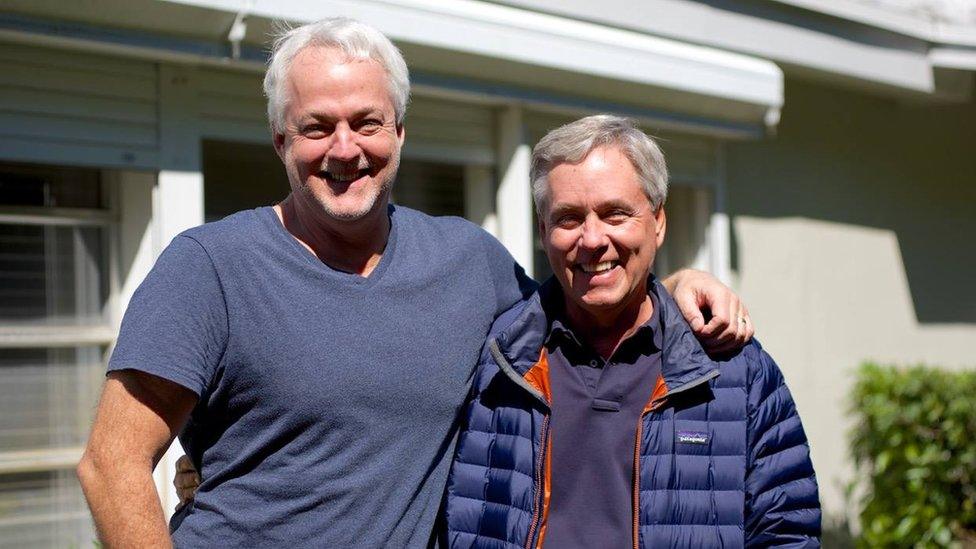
<point x="605" y="331"/>
<point x="350" y="246"/>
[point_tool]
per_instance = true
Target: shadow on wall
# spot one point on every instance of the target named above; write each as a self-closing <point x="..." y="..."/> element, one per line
<point x="837" y="535"/>
<point x="851" y="158"/>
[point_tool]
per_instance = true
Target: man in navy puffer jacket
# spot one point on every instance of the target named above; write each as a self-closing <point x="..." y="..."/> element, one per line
<point x="596" y="419"/>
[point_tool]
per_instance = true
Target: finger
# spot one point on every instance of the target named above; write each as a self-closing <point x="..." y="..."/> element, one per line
<point x="742" y="333"/>
<point x="735" y="320"/>
<point x="741" y="327"/>
<point x="183" y="465"/>
<point x="717" y="323"/>
<point x="727" y="340"/>
<point x="732" y="343"/>
<point x="740" y="338"/>
<point x="716" y="331"/>
<point x="688" y="304"/>
<point x="750" y="327"/>
<point x="186" y="480"/>
<point x="185" y="496"/>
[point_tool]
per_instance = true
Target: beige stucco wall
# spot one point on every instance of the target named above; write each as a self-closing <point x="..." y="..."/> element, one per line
<point x="853" y="240"/>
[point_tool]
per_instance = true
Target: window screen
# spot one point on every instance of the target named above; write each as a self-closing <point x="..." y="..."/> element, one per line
<point x="54" y="286"/>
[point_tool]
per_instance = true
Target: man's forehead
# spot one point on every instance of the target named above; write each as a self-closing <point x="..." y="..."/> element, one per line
<point x="324" y="74"/>
<point x="594" y="196"/>
<point x="314" y="53"/>
<point x="594" y="176"/>
<point x="601" y="161"/>
<point x="316" y="59"/>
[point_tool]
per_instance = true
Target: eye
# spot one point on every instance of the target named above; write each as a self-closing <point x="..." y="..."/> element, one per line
<point x="315" y="131"/>
<point x="616" y="216"/>
<point x="567" y="221"/>
<point x="369" y="126"/>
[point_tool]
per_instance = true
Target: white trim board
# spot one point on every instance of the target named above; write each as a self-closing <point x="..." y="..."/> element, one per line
<point x="545" y="40"/>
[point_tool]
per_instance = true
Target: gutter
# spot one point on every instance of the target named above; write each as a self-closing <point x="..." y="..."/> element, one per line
<point x="236" y="55"/>
<point x="533" y="38"/>
<point x="937" y="32"/>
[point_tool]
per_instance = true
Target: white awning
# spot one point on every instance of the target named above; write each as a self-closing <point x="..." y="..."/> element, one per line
<point x="502" y="33"/>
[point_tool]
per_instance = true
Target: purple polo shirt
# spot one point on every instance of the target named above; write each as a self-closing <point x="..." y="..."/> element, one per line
<point x="596" y="405"/>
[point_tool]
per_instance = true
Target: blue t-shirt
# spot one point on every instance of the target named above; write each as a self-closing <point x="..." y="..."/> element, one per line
<point x="328" y="402"/>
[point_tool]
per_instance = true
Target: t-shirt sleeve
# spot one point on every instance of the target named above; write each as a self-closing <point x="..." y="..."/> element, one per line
<point x="507" y="276"/>
<point x="176" y="323"/>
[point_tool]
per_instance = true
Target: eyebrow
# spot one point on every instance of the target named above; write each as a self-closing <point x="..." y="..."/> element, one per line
<point x="616" y="203"/>
<point x="359" y="113"/>
<point x="559" y="209"/>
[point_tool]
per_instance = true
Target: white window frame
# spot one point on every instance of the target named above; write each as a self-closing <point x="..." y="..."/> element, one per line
<point x="102" y="334"/>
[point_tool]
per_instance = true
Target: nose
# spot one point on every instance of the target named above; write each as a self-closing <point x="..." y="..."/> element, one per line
<point x="344" y="147"/>
<point x="593" y="234"/>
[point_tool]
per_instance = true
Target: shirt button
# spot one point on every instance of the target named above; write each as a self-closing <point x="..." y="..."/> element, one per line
<point x="593" y="364"/>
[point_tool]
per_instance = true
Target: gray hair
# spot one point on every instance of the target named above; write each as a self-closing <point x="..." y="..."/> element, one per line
<point x="356" y="40"/>
<point x="570" y="144"/>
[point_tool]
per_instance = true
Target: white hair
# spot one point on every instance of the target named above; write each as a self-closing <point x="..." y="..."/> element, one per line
<point x="356" y="40"/>
<point x="570" y="144"/>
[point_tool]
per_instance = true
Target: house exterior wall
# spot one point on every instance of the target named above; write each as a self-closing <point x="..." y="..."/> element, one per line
<point x="852" y="233"/>
<point x="78" y="108"/>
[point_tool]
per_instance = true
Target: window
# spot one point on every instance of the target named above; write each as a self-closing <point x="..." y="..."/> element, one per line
<point x="688" y="210"/>
<point x="431" y="187"/>
<point x="240" y="176"/>
<point x="55" y="328"/>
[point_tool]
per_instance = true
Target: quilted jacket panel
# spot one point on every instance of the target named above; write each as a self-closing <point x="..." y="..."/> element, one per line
<point x="724" y="461"/>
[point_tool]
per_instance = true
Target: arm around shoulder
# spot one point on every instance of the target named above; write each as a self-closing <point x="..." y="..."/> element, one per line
<point x="716" y="315"/>
<point x="510" y="281"/>
<point x="782" y="501"/>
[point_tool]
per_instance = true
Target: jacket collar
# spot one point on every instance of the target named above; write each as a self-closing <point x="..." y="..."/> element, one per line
<point x="683" y="360"/>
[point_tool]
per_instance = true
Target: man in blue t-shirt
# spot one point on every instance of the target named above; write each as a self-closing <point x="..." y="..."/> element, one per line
<point x="313" y="356"/>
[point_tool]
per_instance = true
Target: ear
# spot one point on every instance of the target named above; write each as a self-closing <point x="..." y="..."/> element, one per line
<point x="540" y="221"/>
<point x="401" y="133"/>
<point x="279" y="144"/>
<point x="661" y="225"/>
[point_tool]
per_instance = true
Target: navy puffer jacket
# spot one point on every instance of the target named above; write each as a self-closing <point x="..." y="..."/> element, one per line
<point x="722" y="457"/>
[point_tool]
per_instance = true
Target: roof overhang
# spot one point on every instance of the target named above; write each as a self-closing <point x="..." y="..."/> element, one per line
<point x="534" y="38"/>
<point x="555" y="55"/>
<point x="464" y="48"/>
<point x="858" y="44"/>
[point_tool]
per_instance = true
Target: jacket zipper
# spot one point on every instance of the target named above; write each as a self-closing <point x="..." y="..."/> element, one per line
<point x="539" y="494"/>
<point x="637" y="442"/>
<point x="540" y="488"/>
<point x="640" y="427"/>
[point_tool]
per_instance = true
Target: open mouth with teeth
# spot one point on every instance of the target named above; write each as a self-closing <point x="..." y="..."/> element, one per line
<point x="342" y="177"/>
<point x="597" y="268"/>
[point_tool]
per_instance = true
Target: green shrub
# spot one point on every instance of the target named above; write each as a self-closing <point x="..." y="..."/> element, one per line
<point x="915" y="449"/>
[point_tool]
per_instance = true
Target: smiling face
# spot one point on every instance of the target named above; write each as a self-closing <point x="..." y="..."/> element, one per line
<point x="341" y="144"/>
<point x="600" y="233"/>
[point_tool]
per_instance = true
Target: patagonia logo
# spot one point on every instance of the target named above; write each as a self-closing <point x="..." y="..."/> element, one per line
<point x="693" y="437"/>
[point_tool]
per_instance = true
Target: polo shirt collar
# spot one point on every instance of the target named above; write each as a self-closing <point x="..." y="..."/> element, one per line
<point x="561" y="333"/>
